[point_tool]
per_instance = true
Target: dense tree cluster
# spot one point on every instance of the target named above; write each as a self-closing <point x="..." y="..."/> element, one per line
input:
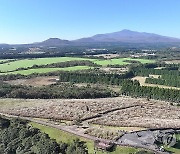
<point x="140" y="71"/>
<point x="167" y="80"/>
<point x="169" y="74"/>
<point x="19" y="138"/>
<point x="54" y="91"/>
<point x="111" y="79"/>
<point x="133" y="88"/>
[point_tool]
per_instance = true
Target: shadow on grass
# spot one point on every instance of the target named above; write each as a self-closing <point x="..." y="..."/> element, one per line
<point x="177" y="145"/>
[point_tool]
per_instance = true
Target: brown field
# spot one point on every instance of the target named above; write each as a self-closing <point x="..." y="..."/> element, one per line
<point x="177" y="61"/>
<point x="155" y="76"/>
<point x="114" y="70"/>
<point x="107" y="56"/>
<point x="120" y="111"/>
<point x="159" y="68"/>
<point x="38" y="81"/>
<point x="142" y="82"/>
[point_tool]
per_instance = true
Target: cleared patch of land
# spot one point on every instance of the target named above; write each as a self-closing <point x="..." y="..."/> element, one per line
<point x="143" y="79"/>
<point x="159" y="68"/>
<point x="155" y="76"/>
<point x="112" y="128"/>
<point x="47" y="70"/>
<point x="38" y="81"/>
<point x="119" y="111"/>
<point x="173" y="61"/>
<point x="114" y="70"/>
<point x="107" y="56"/>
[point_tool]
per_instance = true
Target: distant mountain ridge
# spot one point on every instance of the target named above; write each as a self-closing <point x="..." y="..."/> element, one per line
<point x="53" y="42"/>
<point x="128" y="36"/>
<point x="124" y="36"/>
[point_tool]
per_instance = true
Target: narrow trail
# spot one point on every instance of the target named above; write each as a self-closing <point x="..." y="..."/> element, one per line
<point x="100" y="114"/>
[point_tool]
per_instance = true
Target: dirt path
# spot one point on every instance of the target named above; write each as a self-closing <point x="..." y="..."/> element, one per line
<point x="109" y="111"/>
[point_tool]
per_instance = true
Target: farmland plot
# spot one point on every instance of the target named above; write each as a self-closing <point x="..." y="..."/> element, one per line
<point x="120" y="111"/>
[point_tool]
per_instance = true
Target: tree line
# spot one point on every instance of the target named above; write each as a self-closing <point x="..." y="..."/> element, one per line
<point x="133" y="88"/>
<point x="167" y="80"/>
<point x="139" y="71"/>
<point x="169" y="74"/>
<point x="17" y="137"/>
<point x="102" y="78"/>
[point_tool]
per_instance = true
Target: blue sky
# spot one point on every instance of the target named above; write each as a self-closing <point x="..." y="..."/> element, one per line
<point x="25" y="21"/>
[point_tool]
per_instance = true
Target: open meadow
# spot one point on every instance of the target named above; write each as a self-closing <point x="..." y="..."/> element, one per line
<point x="24" y="63"/>
<point x="11" y="67"/>
<point x="122" y="61"/>
<point x="47" y="70"/>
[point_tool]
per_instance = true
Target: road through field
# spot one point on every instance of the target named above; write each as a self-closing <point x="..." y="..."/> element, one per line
<point x="80" y="134"/>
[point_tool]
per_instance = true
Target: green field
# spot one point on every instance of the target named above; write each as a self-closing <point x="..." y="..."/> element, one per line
<point x="46" y="70"/>
<point x="24" y="63"/>
<point x="38" y="61"/>
<point x="61" y="136"/>
<point x="121" y="61"/>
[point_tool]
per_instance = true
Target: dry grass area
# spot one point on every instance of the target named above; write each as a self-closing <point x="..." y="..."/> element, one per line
<point x="155" y="115"/>
<point x="114" y="70"/>
<point x="66" y="109"/>
<point x="142" y="82"/>
<point x="148" y="114"/>
<point x="159" y="68"/>
<point x="107" y="56"/>
<point x="155" y="76"/>
<point x="177" y="61"/>
<point x="103" y="133"/>
<point x="38" y="81"/>
<point x="116" y="128"/>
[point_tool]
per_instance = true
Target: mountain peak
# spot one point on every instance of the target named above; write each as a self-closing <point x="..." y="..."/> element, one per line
<point x="128" y="36"/>
<point x="54" y="42"/>
<point x="126" y="30"/>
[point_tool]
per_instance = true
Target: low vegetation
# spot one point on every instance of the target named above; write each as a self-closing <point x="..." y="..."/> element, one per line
<point x="119" y="111"/>
<point x="47" y="70"/>
<point x="54" y="91"/>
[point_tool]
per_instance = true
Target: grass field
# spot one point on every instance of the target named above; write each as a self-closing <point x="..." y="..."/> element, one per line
<point x="38" y="61"/>
<point x="46" y="70"/>
<point x="43" y="61"/>
<point x="61" y="136"/>
<point x="121" y="61"/>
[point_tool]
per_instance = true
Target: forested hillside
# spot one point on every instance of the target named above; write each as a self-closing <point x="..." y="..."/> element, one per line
<point x="54" y="91"/>
<point x="17" y="137"/>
